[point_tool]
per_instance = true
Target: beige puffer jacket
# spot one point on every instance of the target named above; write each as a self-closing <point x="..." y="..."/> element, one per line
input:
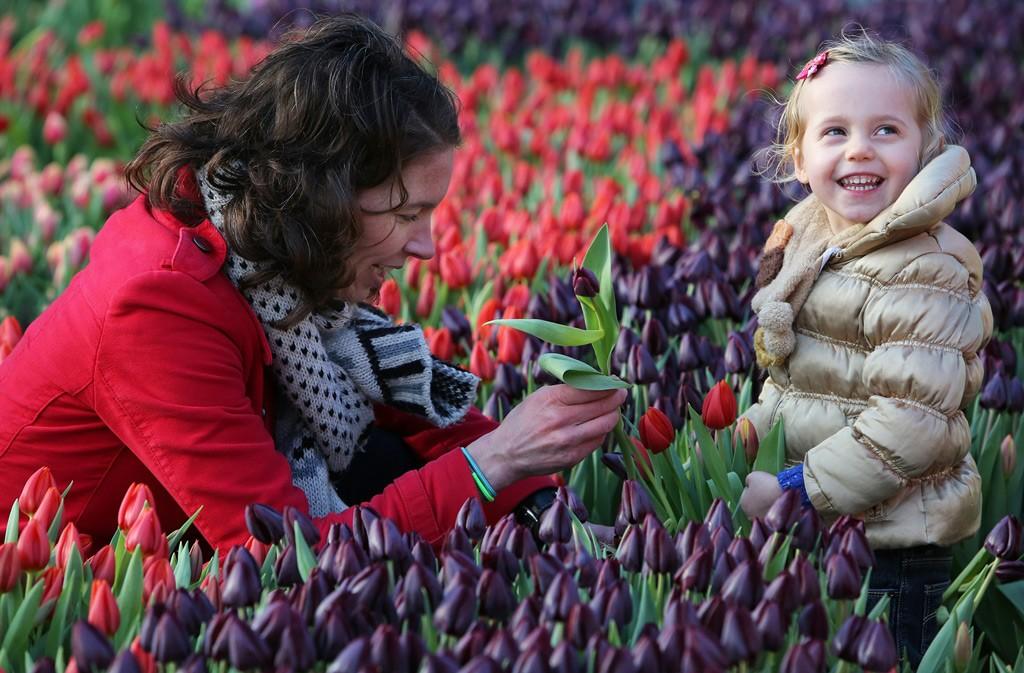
<point x="884" y="360"/>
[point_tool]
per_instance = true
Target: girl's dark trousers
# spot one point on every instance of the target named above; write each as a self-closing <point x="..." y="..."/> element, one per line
<point x="914" y="579"/>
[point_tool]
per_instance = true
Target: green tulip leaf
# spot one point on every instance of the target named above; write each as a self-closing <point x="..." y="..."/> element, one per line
<point x="23" y="620"/>
<point x="552" y="332"/>
<point x="11" y="533"/>
<point x="129" y="599"/>
<point x="711" y="456"/>
<point x="303" y="554"/>
<point x="182" y="568"/>
<point x="771" y="452"/>
<point x="175" y="537"/>
<point x="599" y="260"/>
<point x="578" y="374"/>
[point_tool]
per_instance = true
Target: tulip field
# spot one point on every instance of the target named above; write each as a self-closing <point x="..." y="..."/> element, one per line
<point x="603" y="227"/>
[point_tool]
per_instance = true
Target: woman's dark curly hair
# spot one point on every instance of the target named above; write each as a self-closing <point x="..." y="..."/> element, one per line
<point x="335" y="109"/>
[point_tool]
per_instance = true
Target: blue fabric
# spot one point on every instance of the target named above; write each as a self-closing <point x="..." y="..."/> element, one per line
<point x="793" y="479"/>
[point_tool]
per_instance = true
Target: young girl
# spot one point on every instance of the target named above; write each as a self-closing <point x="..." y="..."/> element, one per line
<point x="871" y="316"/>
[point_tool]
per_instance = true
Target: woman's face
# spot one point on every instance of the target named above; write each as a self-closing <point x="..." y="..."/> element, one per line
<point x="392" y="236"/>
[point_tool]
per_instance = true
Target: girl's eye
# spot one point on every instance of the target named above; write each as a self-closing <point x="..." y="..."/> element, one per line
<point x="834" y="131"/>
<point x="887" y="130"/>
<point x="409" y="218"/>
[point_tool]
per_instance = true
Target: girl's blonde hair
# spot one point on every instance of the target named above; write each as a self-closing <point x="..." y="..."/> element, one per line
<point x="861" y="47"/>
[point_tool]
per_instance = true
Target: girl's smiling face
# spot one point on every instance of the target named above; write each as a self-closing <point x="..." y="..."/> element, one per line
<point x="391" y="236"/>
<point x="861" y="143"/>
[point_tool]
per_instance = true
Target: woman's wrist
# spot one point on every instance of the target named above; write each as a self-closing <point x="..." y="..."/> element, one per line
<point x="491" y="463"/>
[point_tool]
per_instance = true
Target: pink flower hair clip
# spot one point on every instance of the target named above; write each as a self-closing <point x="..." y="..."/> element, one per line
<point x="813" y="66"/>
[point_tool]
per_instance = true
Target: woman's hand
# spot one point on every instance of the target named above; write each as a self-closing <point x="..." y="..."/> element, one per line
<point x="549" y="431"/>
<point x="760" y="494"/>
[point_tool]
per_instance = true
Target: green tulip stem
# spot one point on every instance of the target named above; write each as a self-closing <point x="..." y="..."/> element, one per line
<point x="968" y="571"/>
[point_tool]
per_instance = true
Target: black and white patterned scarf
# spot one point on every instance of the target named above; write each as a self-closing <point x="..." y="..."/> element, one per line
<point x="332" y="366"/>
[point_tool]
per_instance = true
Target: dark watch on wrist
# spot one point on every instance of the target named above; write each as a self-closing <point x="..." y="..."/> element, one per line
<point x="530" y="509"/>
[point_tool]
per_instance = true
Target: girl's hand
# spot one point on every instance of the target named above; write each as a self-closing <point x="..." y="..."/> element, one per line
<point x="760" y="494"/>
<point x="549" y="431"/>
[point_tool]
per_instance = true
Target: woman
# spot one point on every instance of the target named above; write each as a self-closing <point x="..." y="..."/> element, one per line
<point x="228" y="296"/>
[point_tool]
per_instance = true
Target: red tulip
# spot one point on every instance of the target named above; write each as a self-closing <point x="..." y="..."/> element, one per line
<point x="10" y="567"/>
<point x="455" y="270"/>
<point x="157" y="577"/>
<point x="55" y="128"/>
<point x="510" y="345"/>
<point x="425" y="301"/>
<point x="390" y="300"/>
<point x="135" y="498"/>
<point x="656" y="430"/>
<point x="103" y="611"/>
<point x="103" y="564"/>
<point x="481" y="363"/>
<point x="69" y="538"/>
<point x="517" y="299"/>
<point x="48" y="508"/>
<point x="146" y="534"/>
<point x="10" y="334"/>
<point x="745" y="435"/>
<point x="34" y="545"/>
<point x="719" y="408"/>
<point x="441" y="344"/>
<point x="35" y="489"/>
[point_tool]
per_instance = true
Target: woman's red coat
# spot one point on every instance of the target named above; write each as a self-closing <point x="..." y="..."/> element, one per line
<point x="151" y="367"/>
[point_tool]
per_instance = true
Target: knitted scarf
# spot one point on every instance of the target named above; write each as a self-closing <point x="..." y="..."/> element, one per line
<point x="331" y="366"/>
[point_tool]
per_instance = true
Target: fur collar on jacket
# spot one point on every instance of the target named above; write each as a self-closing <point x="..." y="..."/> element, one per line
<point x="802" y="244"/>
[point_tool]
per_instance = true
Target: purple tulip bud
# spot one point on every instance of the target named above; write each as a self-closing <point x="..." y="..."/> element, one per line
<point x="720" y="541"/>
<point x="385" y="543"/>
<point x="521" y="543"/>
<point x="695" y="573"/>
<point x="286" y="567"/>
<point x="362" y="517"/>
<point x="339" y="532"/>
<point x="423" y="554"/>
<point x="369" y="587"/>
<point x="772" y="623"/>
<point x="124" y="662"/>
<point x="694" y="537"/>
<point x="293" y="516"/>
<point x="581" y="624"/>
<point x="802" y="658"/>
<point x="696" y="266"/>
<point x="354" y="657"/>
<point x="537" y="639"/>
<point x="618" y="606"/>
<point x="584" y="282"/>
<point x="689" y="354"/>
<point x="623" y="346"/>
<point x="508" y="381"/>
<point x="813" y="621"/>
<point x="630" y="552"/>
<point x="458" y="540"/>
<point x="560" y="597"/>
<point x="241" y="586"/>
<point x="785" y="591"/>
<point x="744" y="585"/>
<point x="876" y="649"/>
<point x="739" y="356"/>
<point x="455" y="613"/>
<point x="847" y="638"/>
<point x="646" y="655"/>
<point x="615" y="463"/>
<point x="635" y="503"/>
<point x="296" y="648"/>
<point x="501" y="647"/>
<point x="653" y="337"/>
<point x="1010" y="571"/>
<point x="844" y="577"/>
<point x="808" y="529"/>
<point x="671" y="641"/>
<point x="495" y="596"/>
<point x="680" y="318"/>
<point x="740" y="636"/>
<point x="272" y="621"/>
<point x="659" y="554"/>
<point x="564" y="659"/>
<point x="471" y="518"/>
<point x="855" y="543"/>
<point x="783" y="513"/>
<point x="170" y="642"/>
<point x="45" y="665"/>
<point x="741" y="550"/>
<point x="994" y="393"/>
<point x="555" y="523"/>
<point x="806" y="578"/>
<point x="720" y="571"/>
<point x="264" y="523"/>
<point x="245" y="648"/>
<point x="718" y="516"/>
<point x="331" y="635"/>
<point x="90" y="648"/>
<point x="678" y="611"/>
<point x="457" y="324"/>
<point x="712" y="614"/>
<point x="711" y="651"/>
<point x="759" y="533"/>
<point x="641" y="368"/>
<point x="615" y="660"/>
<point x="1004" y="541"/>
